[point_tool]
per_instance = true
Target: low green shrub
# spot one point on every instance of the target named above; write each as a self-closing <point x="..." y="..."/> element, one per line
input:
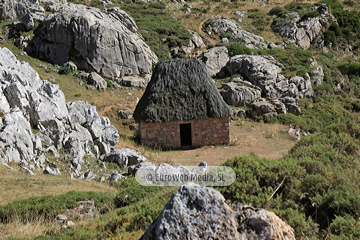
<point x="65" y="70"/>
<point x="311" y="14"/>
<point x="47" y="207"/>
<point x="236" y="49"/>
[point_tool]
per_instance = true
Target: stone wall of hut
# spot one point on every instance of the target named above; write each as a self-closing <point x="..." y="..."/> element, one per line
<point x="204" y="132"/>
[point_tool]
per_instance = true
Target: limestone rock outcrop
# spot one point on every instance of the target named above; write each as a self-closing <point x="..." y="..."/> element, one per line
<point x="240" y="93"/>
<point x="197" y="212"/>
<point x="107" y="42"/>
<point x="35" y="120"/>
<point x="304" y="31"/>
<point x="265" y="72"/>
<point x="221" y="25"/>
<point x="215" y="59"/>
<point x="10" y="10"/>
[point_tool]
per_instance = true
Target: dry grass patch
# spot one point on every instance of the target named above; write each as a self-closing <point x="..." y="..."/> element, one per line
<point x="24" y="231"/>
<point x="15" y="185"/>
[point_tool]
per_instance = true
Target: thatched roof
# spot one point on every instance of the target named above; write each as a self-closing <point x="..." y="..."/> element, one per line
<point x="180" y="90"/>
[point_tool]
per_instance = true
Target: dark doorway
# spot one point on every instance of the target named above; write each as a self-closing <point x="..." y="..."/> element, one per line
<point x="185" y="134"/>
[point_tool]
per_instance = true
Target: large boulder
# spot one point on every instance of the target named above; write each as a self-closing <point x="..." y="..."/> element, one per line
<point x="215" y="59"/>
<point x="259" y="70"/>
<point x="197" y="212"/>
<point x="107" y="42"/>
<point x="240" y="93"/>
<point x="97" y="80"/>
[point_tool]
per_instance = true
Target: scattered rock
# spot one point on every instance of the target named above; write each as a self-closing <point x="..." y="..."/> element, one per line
<point x="83" y="75"/>
<point x="96" y="79"/>
<point x="116" y="176"/>
<point x="317" y="75"/>
<point x="261" y="107"/>
<point x="123" y="157"/>
<point x="88" y="175"/>
<point x="28" y="171"/>
<point x="133" y="169"/>
<point x="134" y="126"/>
<point x="61" y="218"/>
<point x="124" y="114"/>
<point x="10" y="10"/>
<point x="27" y="103"/>
<point x="71" y="65"/>
<point x="133" y="81"/>
<point x="222" y="25"/>
<point x="238" y="113"/>
<point x="54" y="171"/>
<point x="295" y="132"/>
<point x="264" y="72"/>
<point x="70" y="224"/>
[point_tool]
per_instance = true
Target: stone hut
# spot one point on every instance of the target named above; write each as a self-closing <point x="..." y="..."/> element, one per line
<point x="182" y="107"/>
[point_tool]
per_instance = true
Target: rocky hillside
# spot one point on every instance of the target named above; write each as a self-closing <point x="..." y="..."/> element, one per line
<point x="286" y="63"/>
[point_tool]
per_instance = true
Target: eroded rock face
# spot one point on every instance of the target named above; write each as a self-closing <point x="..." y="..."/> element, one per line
<point x="265" y="72"/>
<point x="30" y="104"/>
<point x="239" y="93"/>
<point x="197" y="212"/>
<point x="106" y="42"/>
<point x="221" y="25"/>
<point x="10" y="10"/>
<point x="304" y="32"/>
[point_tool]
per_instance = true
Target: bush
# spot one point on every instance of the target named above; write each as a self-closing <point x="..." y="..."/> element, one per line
<point x="349" y="68"/>
<point x="311" y="14"/>
<point x="48" y="207"/>
<point x="317" y="179"/>
<point x="236" y="49"/>
<point x="65" y="70"/>
<point x="257" y="15"/>
<point x="329" y="38"/>
<point x="275" y="11"/>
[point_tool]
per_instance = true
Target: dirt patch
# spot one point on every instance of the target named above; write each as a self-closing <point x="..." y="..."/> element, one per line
<point x="203" y="34"/>
<point x="265" y="140"/>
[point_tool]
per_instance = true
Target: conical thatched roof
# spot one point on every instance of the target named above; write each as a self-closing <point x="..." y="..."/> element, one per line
<point x="180" y="90"/>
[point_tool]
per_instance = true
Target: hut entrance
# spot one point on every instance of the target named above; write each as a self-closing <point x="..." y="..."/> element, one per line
<point x="185" y="134"/>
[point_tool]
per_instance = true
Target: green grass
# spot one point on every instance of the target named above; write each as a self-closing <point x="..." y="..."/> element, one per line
<point x="156" y="25"/>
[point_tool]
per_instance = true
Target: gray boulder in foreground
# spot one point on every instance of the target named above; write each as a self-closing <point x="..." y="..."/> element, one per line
<point x="107" y="42"/>
<point x="198" y="212"/>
